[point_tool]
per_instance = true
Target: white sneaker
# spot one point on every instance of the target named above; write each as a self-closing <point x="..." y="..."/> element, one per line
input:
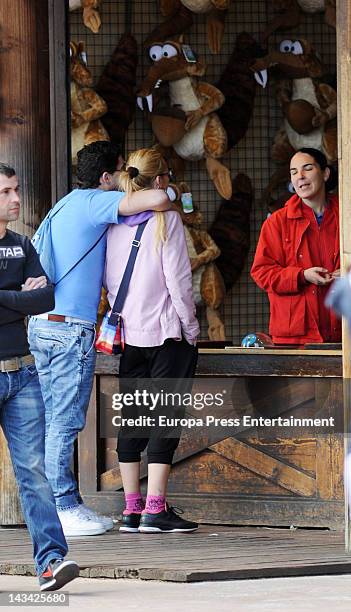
<point x="76" y="523"/>
<point x="97" y="518"/>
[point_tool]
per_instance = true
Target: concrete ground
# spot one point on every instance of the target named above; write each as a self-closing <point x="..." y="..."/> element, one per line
<point x="304" y="594"/>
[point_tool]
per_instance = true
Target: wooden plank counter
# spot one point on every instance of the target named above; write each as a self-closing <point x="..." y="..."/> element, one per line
<point x="253" y="362"/>
<point x="267" y="476"/>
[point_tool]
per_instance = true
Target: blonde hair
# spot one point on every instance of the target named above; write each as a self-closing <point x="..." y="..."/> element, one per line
<point x="142" y="167"/>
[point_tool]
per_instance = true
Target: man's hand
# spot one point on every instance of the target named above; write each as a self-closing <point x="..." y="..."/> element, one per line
<point x="35" y="283"/>
<point x="318" y="276"/>
<point x="336" y="274"/>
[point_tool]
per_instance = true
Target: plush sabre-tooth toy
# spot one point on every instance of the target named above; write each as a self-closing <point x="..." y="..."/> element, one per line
<point x="309" y="106"/>
<point x="179" y="18"/>
<point x="200" y="134"/>
<point x="195" y="118"/>
<point x="91" y="17"/>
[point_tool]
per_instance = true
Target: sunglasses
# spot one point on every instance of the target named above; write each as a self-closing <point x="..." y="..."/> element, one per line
<point x="170" y="175"/>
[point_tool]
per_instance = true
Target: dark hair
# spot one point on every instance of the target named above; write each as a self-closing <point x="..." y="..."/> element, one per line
<point x="322" y="162"/>
<point x="133" y="172"/>
<point x="7" y="170"/>
<point x="95" y="159"/>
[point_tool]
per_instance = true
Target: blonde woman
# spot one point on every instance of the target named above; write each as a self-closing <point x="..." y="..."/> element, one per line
<point x="160" y="333"/>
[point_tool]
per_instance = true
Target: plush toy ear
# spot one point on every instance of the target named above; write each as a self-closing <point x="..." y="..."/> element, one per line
<point x="81" y="47"/>
<point x="197" y="69"/>
<point x="181" y="39"/>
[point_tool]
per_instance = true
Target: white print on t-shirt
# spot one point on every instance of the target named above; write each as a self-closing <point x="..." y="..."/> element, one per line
<point x="11" y="252"/>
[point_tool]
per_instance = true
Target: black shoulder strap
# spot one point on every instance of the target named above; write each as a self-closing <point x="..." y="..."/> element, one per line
<point x="81" y="259"/>
<point x="124" y="286"/>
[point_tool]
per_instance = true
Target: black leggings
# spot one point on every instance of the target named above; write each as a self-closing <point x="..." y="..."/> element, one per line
<point x="171" y="360"/>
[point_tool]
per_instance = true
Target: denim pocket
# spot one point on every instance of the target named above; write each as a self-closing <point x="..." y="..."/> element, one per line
<point x="54" y="339"/>
<point x="87" y="339"/>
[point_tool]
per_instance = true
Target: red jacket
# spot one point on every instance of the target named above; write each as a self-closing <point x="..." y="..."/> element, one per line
<point x="283" y="250"/>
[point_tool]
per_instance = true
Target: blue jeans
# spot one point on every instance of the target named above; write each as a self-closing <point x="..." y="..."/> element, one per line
<point x="22" y="418"/>
<point x="65" y="359"/>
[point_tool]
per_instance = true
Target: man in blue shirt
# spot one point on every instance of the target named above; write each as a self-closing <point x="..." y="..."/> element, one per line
<point x="62" y="341"/>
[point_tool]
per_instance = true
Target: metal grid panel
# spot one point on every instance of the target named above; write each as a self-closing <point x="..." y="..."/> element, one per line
<point x="246" y="307"/>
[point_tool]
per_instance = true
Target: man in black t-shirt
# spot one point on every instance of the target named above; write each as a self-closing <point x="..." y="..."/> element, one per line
<point x="24" y="290"/>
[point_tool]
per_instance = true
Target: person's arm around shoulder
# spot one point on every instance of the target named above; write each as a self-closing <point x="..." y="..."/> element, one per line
<point x="139" y="201"/>
<point x="177" y="271"/>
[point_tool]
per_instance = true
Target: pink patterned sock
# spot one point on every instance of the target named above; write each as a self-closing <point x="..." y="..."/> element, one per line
<point x="155" y="504"/>
<point x="134" y="503"/>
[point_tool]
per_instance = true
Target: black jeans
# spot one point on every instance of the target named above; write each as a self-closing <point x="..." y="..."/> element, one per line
<point x="176" y="360"/>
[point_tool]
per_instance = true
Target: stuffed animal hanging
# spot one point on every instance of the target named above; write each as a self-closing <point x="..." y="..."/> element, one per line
<point x="181" y="108"/>
<point x="179" y="17"/>
<point x="91" y="17"/>
<point x="239" y="88"/>
<point x="288" y="14"/>
<point x="86" y="105"/>
<point x="202" y="134"/>
<point x="117" y="87"/>
<point x="320" y="6"/>
<point x="308" y="105"/>
<point x="231" y="230"/>
<point x="208" y="285"/>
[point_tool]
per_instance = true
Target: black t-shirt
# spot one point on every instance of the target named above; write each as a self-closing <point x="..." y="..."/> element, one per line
<point x="19" y="261"/>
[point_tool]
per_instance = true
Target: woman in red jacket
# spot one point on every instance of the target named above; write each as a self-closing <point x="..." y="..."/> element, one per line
<point x="298" y="255"/>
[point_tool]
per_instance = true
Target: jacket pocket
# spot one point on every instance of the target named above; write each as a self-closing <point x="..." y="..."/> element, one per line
<point x="288" y="315"/>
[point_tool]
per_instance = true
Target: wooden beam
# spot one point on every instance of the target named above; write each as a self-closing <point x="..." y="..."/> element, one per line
<point x="268" y="467"/>
<point x="59" y="99"/>
<point x="87" y="448"/>
<point x="344" y="138"/>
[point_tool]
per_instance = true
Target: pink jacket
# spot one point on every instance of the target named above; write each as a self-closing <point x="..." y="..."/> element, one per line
<point x="160" y="303"/>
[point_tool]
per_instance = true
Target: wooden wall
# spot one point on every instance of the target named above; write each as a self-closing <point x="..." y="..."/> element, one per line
<point x="25" y="104"/>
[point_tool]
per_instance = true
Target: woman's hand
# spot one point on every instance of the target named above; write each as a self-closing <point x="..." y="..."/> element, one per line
<point x="318" y="276"/>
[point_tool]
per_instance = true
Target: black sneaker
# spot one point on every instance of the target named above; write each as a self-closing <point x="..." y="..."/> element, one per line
<point x="57" y="574"/>
<point x="166" y="521"/>
<point x="130" y="522"/>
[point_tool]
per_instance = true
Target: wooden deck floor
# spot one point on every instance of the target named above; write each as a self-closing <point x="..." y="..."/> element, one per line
<point x="211" y="553"/>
